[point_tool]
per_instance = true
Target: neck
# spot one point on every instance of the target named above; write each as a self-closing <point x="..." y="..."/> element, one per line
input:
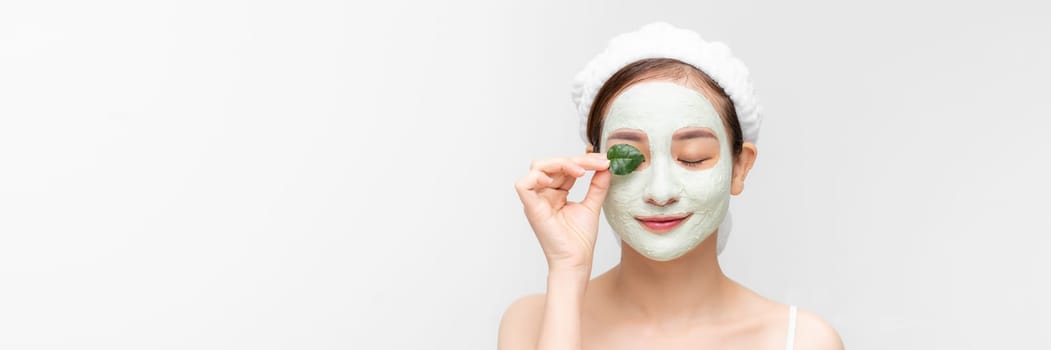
<point x="692" y="286"/>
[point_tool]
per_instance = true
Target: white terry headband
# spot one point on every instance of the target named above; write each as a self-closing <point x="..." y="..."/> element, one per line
<point x="662" y="40"/>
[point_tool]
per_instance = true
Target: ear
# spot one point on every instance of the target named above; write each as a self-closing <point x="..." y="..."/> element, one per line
<point x="742" y="165"/>
<point x="589" y="149"/>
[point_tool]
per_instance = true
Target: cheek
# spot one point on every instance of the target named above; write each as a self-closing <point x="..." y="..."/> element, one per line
<point x="703" y="187"/>
<point x="626" y="191"/>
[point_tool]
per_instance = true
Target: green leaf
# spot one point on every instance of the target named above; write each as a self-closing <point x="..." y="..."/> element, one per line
<point x="624" y="158"/>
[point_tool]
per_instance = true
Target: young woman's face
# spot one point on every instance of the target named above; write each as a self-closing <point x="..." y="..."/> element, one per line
<point x="681" y="192"/>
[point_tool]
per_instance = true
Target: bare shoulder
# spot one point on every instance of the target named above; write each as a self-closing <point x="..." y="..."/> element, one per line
<point x="520" y="325"/>
<point x="813" y="332"/>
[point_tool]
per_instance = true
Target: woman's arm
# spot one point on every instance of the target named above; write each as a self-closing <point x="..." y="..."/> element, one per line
<point x="547" y="321"/>
<point x="566" y="232"/>
<point x="560" y="328"/>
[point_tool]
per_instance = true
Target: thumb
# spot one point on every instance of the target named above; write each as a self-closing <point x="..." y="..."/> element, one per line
<point x="597" y="191"/>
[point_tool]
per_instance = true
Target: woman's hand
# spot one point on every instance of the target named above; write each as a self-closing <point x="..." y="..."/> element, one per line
<point x="566" y="230"/>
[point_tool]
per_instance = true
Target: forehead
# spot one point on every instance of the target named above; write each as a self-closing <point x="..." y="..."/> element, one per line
<point x="661" y="107"/>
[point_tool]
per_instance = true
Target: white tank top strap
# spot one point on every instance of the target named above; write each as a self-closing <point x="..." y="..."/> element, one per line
<point x="790" y="342"/>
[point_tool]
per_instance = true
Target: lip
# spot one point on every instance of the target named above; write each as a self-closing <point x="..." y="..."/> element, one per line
<point x="662" y="223"/>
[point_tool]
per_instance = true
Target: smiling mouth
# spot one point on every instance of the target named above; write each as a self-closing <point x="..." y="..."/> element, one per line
<point x="662" y="223"/>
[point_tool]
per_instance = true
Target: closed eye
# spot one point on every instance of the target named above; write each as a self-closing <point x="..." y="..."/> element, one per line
<point x="693" y="163"/>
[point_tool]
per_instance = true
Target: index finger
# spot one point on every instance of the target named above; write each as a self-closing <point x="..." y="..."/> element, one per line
<point x="576" y="166"/>
<point x="593" y="161"/>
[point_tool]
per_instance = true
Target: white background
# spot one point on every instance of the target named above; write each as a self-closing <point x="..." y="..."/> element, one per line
<point x="334" y="175"/>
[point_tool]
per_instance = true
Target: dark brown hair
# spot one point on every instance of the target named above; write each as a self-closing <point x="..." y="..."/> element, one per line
<point x="664" y="68"/>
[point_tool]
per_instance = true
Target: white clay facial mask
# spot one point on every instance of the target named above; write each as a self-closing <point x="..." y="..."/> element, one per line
<point x="681" y="192"/>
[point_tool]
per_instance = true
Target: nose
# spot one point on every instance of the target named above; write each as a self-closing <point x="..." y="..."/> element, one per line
<point x="661" y="203"/>
<point x="662" y="190"/>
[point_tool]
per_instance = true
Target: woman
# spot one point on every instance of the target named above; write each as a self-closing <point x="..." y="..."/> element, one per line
<point x="688" y="107"/>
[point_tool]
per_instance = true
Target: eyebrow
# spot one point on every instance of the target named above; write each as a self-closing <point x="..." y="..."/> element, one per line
<point x="625" y="135"/>
<point x="696" y="133"/>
